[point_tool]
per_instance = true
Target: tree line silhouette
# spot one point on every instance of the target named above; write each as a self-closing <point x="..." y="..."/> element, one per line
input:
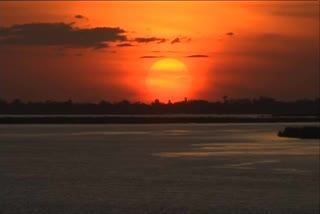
<point x="260" y="105"/>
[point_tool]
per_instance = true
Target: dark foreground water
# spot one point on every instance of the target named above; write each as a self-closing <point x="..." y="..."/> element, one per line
<point x="167" y="168"/>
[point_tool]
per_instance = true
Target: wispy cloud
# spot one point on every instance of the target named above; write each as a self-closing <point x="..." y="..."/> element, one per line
<point x="150" y="39"/>
<point x="80" y="17"/>
<point x="176" y="40"/>
<point x="180" y="39"/>
<point x="125" y="44"/>
<point x="151" y="57"/>
<point x="197" y="56"/>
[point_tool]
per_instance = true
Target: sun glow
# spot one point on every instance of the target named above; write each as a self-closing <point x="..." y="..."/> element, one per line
<point x="168" y="79"/>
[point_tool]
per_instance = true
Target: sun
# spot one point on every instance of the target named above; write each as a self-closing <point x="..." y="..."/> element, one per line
<point x="168" y="79"/>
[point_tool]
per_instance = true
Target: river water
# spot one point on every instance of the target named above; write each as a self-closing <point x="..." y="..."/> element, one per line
<point x="160" y="168"/>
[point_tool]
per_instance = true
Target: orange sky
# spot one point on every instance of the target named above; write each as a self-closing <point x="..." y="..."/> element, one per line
<point x="239" y="49"/>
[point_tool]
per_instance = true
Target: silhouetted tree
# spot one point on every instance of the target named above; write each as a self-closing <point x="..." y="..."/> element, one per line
<point x="260" y="105"/>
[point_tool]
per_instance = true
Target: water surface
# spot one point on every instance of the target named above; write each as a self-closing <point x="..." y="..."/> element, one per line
<point x="163" y="168"/>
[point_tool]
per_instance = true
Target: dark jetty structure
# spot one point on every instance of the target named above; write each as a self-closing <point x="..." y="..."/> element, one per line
<point x="306" y="132"/>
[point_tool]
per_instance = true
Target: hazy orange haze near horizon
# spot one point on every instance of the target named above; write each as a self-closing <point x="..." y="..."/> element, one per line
<point x="104" y="50"/>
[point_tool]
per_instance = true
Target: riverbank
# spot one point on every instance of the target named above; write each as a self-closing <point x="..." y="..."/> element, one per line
<point x="136" y="119"/>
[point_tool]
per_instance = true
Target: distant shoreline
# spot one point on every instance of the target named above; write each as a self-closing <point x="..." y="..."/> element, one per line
<point x="136" y="119"/>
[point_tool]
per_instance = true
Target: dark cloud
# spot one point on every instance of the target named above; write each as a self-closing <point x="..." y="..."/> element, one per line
<point x="151" y="57"/>
<point x="124" y="45"/>
<point x="230" y="33"/>
<point x="162" y="40"/>
<point x="60" y="34"/>
<point x="198" y="56"/>
<point x="176" y="40"/>
<point x="167" y="51"/>
<point x="149" y="39"/>
<point x="80" y="17"/>
<point x="180" y="39"/>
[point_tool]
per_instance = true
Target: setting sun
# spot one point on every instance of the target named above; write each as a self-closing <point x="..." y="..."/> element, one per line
<point x="168" y="79"/>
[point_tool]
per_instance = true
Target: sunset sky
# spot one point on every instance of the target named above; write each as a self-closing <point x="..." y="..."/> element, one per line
<point x="92" y="51"/>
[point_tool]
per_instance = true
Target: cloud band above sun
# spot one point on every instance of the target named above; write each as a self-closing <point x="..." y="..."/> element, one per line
<point x="67" y="35"/>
